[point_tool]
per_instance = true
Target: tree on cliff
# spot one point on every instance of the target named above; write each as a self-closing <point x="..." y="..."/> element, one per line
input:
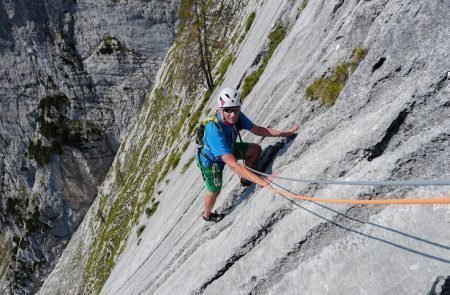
<point x="197" y="39"/>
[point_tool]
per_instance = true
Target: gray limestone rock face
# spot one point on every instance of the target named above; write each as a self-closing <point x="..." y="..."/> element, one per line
<point x="73" y="75"/>
<point x="389" y="122"/>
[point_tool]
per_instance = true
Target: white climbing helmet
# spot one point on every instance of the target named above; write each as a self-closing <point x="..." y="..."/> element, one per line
<point x="229" y="97"/>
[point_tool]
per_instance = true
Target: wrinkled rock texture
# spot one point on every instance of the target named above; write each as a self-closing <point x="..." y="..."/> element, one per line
<point x="73" y="75"/>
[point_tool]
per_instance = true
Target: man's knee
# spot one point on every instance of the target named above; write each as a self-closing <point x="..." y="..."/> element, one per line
<point x="254" y="150"/>
<point x="259" y="150"/>
<point x="210" y="194"/>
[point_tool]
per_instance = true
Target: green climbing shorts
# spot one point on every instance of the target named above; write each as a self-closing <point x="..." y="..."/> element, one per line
<point x="213" y="175"/>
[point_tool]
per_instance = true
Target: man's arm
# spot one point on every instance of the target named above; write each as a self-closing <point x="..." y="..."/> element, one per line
<point x="270" y="132"/>
<point x="231" y="161"/>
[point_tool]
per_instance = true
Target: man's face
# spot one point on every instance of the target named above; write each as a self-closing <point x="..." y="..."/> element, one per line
<point x="230" y="115"/>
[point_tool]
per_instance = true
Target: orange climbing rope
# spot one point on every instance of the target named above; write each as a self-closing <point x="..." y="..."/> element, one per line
<point x="364" y="202"/>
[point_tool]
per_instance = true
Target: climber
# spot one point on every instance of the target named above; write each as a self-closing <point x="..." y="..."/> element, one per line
<point x="219" y="146"/>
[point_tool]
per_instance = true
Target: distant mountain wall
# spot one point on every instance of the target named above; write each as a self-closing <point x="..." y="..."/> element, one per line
<point x="73" y="76"/>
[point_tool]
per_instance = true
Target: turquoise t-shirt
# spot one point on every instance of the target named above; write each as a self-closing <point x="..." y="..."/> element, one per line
<point x="218" y="142"/>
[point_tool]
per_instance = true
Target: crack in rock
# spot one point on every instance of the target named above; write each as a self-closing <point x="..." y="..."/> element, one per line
<point x="248" y="246"/>
<point x="270" y="152"/>
<point x="428" y="160"/>
<point x="379" y="64"/>
<point x="337" y="6"/>
<point x="379" y="148"/>
<point x="190" y="247"/>
<point x="265" y="160"/>
<point x="237" y="196"/>
<point x="441" y="286"/>
<point x="382" y="80"/>
<point x="316" y="239"/>
<point x="437" y="87"/>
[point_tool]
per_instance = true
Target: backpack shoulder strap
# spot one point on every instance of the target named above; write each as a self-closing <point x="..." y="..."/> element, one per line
<point x="213" y="119"/>
<point x="201" y="131"/>
<point x="235" y="130"/>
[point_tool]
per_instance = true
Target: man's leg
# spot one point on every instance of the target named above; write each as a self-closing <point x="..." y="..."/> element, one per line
<point x="209" y="201"/>
<point x="213" y="180"/>
<point x="253" y="153"/>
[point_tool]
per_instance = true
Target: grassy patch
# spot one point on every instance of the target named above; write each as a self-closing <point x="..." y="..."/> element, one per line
<point x="225" y="64"/>
<point x="186" y="166"/>
<point x="78" y="258"/>
<point x="275" y="38"/>
<point x="185" y="146"/>
<point x="249" y="22"/>
<point x="108" y="243"/>
<point x="5" y="248"/>
<point x="120" y="214"/>
<point x="171" y="163"/>
<point x="149" y="211"/>
<point x="303" y="6"/>
<point x="58" y="130"/>
<point x="194" y="120"/>
<point x="176" y="160"/>
<point x="327" y="89"/>
<point x="40" y="153"/>
<point x="140" y="230"/>
<point x="110" y="45"/>
<point x="250" y="81"/>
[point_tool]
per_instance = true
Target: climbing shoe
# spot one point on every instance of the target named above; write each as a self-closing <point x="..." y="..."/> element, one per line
<point x="214" y="217"/>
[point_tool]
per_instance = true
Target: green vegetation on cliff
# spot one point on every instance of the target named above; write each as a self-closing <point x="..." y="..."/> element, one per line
<point x="5" y="248"/>
<point x="328" y="89"/>
<point x="155" y="146"/>
<point x="249" y="21"/>
<point x="275" y="38"/>
<point x="58" y="130"/>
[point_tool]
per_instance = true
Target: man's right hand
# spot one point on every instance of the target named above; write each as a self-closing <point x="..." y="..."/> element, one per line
<point x="231" y="161"/>
<point x="291" y="131"/>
